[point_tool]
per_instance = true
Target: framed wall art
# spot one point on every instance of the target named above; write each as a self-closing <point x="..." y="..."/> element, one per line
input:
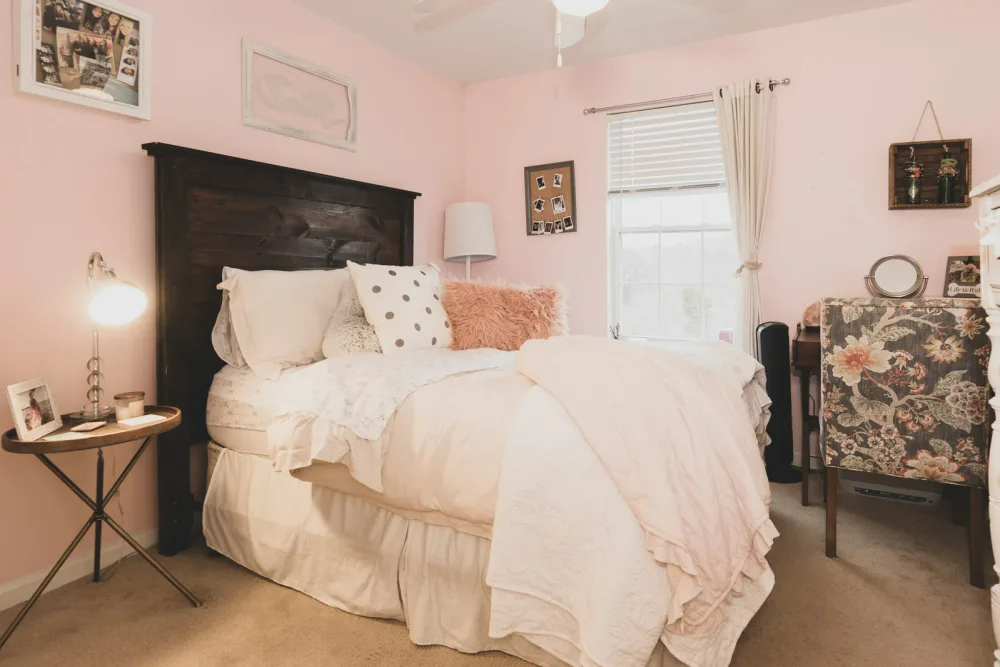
<point x="97" y="54"/>
<point x="550" y="193"/>
<point x="296" y="98"/>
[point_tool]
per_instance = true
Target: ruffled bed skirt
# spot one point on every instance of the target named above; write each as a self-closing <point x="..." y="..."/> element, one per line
<point x="352" y="555"/>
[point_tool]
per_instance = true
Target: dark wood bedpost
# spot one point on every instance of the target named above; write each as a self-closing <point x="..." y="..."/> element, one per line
<point x="214" y="211"/>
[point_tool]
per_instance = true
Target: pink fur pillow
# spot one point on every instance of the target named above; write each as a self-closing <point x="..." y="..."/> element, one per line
<point x="502" y="317"/>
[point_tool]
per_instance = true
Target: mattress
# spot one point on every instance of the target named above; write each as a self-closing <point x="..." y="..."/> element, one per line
<point x="352" y="555"/>
<point x="443" y="449"/>
<point x="240" y="406"/>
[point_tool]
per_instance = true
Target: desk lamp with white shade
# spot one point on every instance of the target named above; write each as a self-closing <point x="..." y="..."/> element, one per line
<point x="468" y="234"/>
<point x="112" y="302"/>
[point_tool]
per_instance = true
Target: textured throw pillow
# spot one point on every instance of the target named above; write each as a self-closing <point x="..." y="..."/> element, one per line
<point x="349" y="332"/>
<point x="403" y="303"/>
<point x="502" y="317"/>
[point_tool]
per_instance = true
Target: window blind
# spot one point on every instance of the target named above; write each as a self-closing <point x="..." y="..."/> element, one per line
<point x="672" y="148"/>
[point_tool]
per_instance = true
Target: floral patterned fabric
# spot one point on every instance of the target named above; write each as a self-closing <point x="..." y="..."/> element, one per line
<point x="904" y="387"/>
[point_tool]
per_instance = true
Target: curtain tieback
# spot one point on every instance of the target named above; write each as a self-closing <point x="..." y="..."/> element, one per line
<point x="753" y="266"/>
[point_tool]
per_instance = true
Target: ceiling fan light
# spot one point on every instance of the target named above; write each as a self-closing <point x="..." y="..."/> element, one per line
<point x="580" y="7"/>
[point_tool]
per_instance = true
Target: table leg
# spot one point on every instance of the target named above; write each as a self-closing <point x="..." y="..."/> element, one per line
<point x="99" y="514"/>
<point x="149" y="559"/>
<point x="804" y="395"/>
<point x="45" y="582"/>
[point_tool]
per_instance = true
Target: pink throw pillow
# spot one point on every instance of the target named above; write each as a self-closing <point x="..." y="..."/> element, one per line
<point x="502" y="317"/>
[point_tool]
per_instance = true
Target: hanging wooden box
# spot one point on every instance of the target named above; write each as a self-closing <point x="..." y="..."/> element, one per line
<point x="929" y="154"/>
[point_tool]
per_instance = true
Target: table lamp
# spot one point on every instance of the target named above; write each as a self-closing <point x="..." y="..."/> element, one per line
<point x="112" y="302"/>
<point x="468" y="234"/>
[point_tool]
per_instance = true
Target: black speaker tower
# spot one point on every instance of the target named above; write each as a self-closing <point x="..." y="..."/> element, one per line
<point x="773" y="347"/>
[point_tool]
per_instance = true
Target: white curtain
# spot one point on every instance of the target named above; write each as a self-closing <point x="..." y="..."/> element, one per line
<point x="746" y="125"/>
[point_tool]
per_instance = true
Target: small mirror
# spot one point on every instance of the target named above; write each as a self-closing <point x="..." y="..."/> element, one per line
<point x="896" y="277"/>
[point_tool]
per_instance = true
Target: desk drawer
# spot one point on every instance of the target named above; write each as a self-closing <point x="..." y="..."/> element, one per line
<point x="806" y="353"/>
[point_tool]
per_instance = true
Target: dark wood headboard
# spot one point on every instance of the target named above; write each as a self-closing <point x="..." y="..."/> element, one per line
<point x="214" y="211"/>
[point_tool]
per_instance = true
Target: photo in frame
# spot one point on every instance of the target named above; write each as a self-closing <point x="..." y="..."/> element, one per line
<point x="962" y="277"/>
<point x="97" y="54"/>
<point x="33" y="408"/>
<point x="550" y="198"/>
<point x="287" y="95"/>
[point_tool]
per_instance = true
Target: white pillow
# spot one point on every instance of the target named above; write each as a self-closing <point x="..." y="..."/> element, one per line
<point x="403" y="303"/>
<point x="223" y="336"/>
<point x="279" y="317"/>
<point x="349" y="332"/>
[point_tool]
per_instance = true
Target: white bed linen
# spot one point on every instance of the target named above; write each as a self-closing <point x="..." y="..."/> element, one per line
<point x="337" y="410"/>
<point x="354" y="556"/>
<point x="444" y="447"/>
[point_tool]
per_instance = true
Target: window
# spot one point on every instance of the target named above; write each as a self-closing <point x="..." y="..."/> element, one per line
<point x="673" y="253"/>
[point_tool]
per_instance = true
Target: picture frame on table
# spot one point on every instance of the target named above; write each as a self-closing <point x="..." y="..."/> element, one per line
<point x="33" y="409"/>
<point x="75" y="51"/>
<point x="962" y="277"/>
<point x="550" y="189"/>
<point x="291" y="96"/>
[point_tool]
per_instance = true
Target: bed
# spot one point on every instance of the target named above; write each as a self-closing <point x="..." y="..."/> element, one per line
<point x="414" y="552"/>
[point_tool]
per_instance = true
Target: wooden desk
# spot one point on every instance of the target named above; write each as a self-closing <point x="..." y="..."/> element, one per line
<point x="806" y="357"/>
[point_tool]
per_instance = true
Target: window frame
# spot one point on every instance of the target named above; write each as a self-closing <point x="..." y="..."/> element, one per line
<point x="617" y="231"/>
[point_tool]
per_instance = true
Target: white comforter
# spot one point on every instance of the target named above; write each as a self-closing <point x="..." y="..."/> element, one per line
<point x="570" y="566"/>
<point x="633" y="504"/>
<point x="338" y="410"/>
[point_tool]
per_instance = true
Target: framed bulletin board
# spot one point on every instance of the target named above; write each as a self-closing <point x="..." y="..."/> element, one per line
<point x="96" y="54"/>
<point x="550" y="198"/>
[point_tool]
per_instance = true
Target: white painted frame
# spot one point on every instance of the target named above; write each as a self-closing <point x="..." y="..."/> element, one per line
<point x="43" y="430"/>
<point x="24" y="45"/>
<point x="250" y="48"/>
<point x="989" y="226"/>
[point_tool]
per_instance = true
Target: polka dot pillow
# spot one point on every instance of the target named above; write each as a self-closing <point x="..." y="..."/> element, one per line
<point x="403" y="303"/>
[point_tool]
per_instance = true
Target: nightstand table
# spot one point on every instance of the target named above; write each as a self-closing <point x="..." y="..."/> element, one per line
<point x="106" y="436"/>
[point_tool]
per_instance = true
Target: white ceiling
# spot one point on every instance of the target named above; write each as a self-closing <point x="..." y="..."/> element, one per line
<point x="507" y="37"/>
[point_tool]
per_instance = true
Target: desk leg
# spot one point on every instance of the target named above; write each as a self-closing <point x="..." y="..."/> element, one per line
<point x="99" y="514"/>
<point x="832" y="483"/>
<point x="45" y="582"/>
<point x="804" y="393"/>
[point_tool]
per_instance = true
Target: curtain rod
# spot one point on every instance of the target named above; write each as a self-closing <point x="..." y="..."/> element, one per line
<point x="673" y="100"/>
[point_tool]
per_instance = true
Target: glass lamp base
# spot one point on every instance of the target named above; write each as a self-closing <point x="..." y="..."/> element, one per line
<point x="92" y="412"/>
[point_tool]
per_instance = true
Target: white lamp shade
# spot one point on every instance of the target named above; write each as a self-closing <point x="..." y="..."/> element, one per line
<point x="114" y="301"/>
<point x="580" y="7"/>
<point x="468" y="233"/>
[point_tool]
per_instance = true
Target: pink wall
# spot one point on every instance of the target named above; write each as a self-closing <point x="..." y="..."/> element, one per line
<point x="854" y="91"/>
<point x="74" y="180"/>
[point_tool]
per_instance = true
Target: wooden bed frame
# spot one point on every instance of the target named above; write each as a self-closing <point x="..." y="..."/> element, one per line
<point x="214" y="211"/>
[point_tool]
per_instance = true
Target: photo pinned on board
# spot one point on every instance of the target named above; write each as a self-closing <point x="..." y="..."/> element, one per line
<point x="548" y="227"/>
<point x="537" y="227"/>
<point x="540" y="182"/>
<point x="558" y="227"/>
<point x="557" y="181"/>
<point x="568" y="224"/>
<point x="559" y="204"/>
<point x="62" y="14"/>
<point x="538" y="206"/>
<point x="94" y="74"/>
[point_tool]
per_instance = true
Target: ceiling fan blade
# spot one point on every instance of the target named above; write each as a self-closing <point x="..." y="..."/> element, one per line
<point x="456" y="11"/>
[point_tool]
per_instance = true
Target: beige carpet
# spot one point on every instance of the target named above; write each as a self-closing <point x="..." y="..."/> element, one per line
<point x="897" y="596"/>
